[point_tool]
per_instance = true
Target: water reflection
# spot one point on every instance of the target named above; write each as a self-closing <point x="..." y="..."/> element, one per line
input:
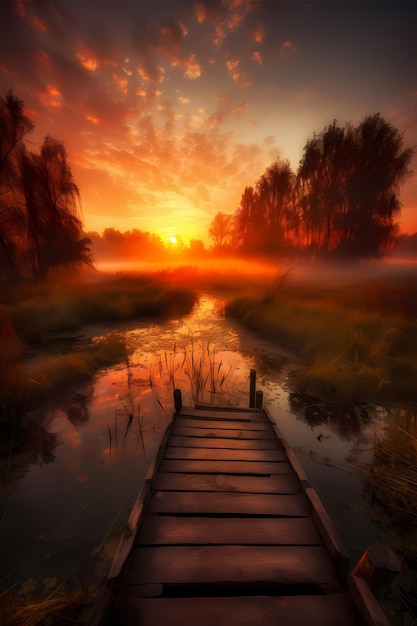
<point x="77" y="495"/>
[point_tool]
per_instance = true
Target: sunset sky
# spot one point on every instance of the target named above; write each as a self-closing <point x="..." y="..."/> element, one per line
<point x="168" y="109"/>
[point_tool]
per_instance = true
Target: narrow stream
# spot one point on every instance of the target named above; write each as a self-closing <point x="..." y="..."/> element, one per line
<point x="64" y="517"/>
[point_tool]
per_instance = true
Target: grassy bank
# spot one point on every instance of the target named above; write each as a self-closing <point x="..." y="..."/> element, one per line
<point x="356" y="341"/>
<point x="31" y="315"/>
<point x="38" y="310"/>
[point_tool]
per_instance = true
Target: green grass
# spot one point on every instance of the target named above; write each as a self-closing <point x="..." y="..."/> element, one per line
<point x="356" y="342"/>
<point x="36" y="312"/>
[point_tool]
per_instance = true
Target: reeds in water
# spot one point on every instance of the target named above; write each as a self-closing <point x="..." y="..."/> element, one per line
<point x="393" y="472"/>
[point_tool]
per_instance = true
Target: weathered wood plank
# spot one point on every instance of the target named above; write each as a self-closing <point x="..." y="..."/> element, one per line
<point x="213" y="413"/>
<point x="216" y="454"/>
<point x="283" y="565"/>
<point x="366" y="602"/>
<point x="128" y="537"/>
<point x="166" y="530"/>
<point x="200" y="422"/>
<point x="223" y="482"/>
<point x="242" y="611"/>
<point x="207" y="433"/>
<point x="254" y="468"/>
<point x="212" y="442"/>
<point x="329" y="533"/>
<point x="195" y="503"/>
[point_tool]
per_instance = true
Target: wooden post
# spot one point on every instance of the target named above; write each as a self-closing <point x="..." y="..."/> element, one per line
<point x="259" y="399"/>
<point x="177" y="400"/>
<point x="252" y="388"/>
<point x="379" y="566"/>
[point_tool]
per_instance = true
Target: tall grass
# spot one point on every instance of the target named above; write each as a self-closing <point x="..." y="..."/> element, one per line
<point x="393" y="472"/>
<point x="199" y="371"/>
<point x="354" y="342"/>
<point x="31" y="315"/>
<point x="35" y="312"/>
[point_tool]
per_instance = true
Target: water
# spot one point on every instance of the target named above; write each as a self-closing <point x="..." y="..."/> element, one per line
<point x="64" y="517"/>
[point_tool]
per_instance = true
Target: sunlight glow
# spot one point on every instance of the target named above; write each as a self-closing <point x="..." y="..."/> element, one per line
<point x="173" y="240"/>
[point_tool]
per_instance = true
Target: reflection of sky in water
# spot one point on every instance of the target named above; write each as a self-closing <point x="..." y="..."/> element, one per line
<point x="62" y="511"/>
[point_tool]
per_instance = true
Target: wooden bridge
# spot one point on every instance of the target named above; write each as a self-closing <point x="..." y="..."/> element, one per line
<point x="227" y="531"/>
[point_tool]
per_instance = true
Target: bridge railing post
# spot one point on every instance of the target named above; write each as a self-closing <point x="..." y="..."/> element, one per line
<point x="252" y="388"/>
<point x="177" y="400"/>
<point x="259" y="399"/>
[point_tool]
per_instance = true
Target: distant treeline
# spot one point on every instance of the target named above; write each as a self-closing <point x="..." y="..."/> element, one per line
<point x="135" y="244"/>
<point x="341" y="203"/>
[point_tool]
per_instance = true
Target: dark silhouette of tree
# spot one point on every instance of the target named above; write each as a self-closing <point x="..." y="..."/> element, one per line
<point x="320" y="185"/>
<point x="249" y="220"/>
<point x="40" y="224"/>
<point x="265" y="215"/>
<point x="221" y="228"/>
<point x="14" y="126"/>
<point x="196" y="249"/>
<point x="275" y="191"/>
<point x="52" y="208"/>
<point x="379" y="166"/>
<point x="342" y="203"/>
<point x="349" y="181"/>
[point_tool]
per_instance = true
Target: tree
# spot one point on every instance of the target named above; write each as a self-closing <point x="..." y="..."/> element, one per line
<point x="348" y="182"/>
<point x="14" y="126"/>
<point x="40" y="223"/>
<point x="52" y="207"/>
<point x="275" y="191"/>
<point x="320" y="185"/>
<point x="379" y="166"/>
<point x="248" y="219"/>
<point x="221" y="228"/>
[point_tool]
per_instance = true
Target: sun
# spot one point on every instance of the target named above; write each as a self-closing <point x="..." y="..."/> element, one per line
<point x="173" y="240"/>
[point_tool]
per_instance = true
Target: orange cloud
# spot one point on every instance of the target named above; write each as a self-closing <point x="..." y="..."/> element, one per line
<point x="86" y="58"/>
<point x="257" y="33"/>
<point x="192" y="68"/>
<point x="32" y="19"/>
<point x="242" y="108"/>
<point x="288" y="48"/>
<point x="92" y="119"/>
<point x="256" y="56"/>
<point x="200" y="12"/>
<point x="51" y="97"/>
<point x="121" y="82"/>
<point x="237" y="77"/>
<point x="234" y="21"/>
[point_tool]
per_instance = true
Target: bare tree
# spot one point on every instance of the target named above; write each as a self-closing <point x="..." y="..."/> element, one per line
<point x="221" y="228"/>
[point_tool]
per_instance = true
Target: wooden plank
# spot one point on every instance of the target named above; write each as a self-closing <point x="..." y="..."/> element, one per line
<point x="223" y="482"/>
<point x="184" y="431"/>
<point x="239" y="444"/>
<point x="127" y="539"/>
<point x="329" y="533"/>
<point x="212" y="413"/>
<point x="253" y="468"/>
<point x="213" y="454"/>
<point x="166" y="530"/>
<point x="242" y="611"/>
<point x="195" y="503"/>
<point x="366" y="602"/>
<point x="200" y="422"/>
<point x="283" y="565"/>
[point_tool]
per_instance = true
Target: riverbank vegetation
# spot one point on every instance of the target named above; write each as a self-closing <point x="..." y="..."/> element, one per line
<point x="356" y="340"/>
<point x="36" y="317"/>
